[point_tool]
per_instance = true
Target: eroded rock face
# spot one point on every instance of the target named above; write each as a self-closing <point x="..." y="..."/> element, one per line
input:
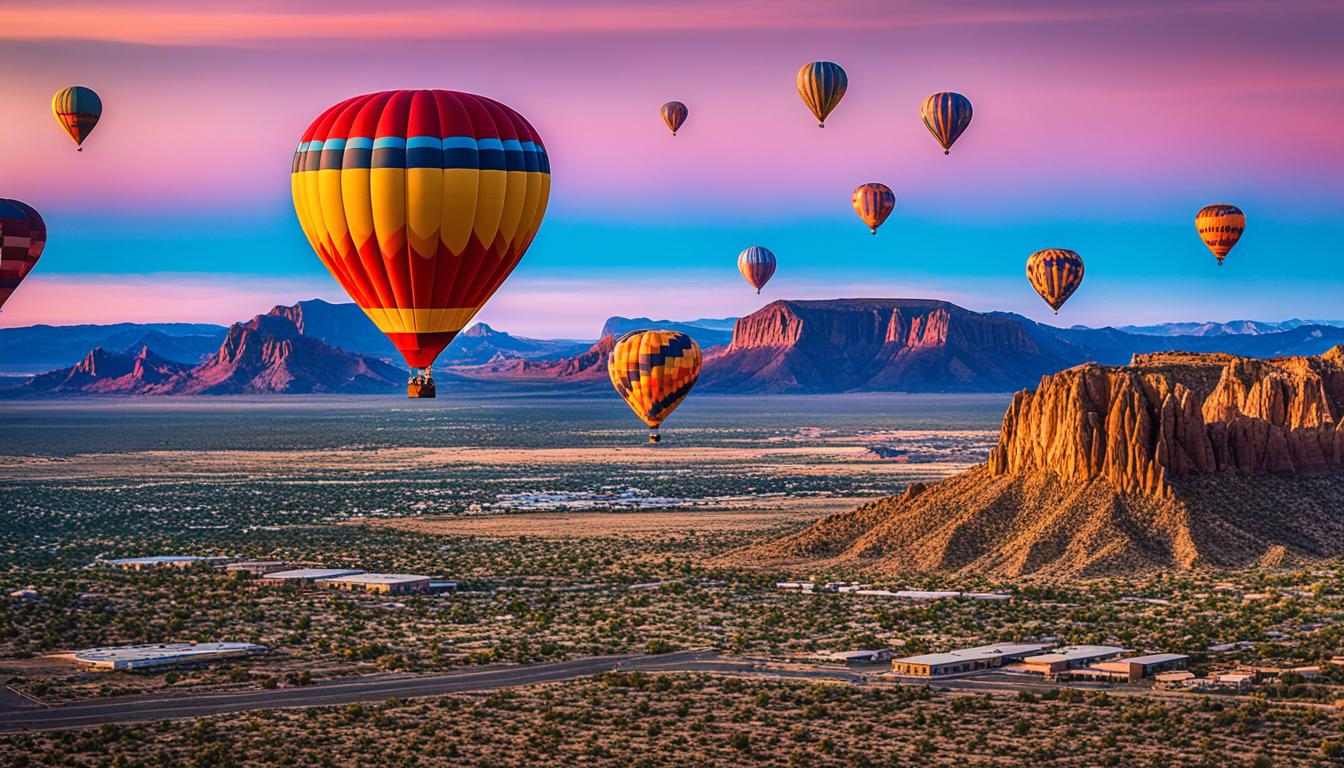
<point x="1175" y="415"/>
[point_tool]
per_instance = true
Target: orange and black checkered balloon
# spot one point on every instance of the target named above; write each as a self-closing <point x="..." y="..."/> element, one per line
<point x="1055" y="273"/>
<point x="654" y="371"/>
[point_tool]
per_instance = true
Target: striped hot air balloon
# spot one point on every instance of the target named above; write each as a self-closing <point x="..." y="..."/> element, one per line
<point x="653" y="371"/>
<point x="756" y="264"/>
<point x="420" y="203"/>
<point x="821" y="84"/>
<point x="674" y="114"/>
<point x="946" y="115"/>
<point x="77" y="109"/>
<point x="1055" y="273"/>
<point x="23" y="234"/>
<point x="1220" y="227"/>
<point x="873" y="202"/>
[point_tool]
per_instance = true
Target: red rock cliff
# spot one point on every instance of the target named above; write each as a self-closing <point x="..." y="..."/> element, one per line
<point x="1175" y="415"/>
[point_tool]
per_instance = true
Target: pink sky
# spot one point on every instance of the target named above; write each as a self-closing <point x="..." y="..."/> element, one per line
<point x="1090" y="118"/>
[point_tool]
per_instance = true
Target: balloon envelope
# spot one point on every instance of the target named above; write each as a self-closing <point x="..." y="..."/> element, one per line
<point x="946" y="115"/>
<point x="23" y="234"/>
<point x="653" y="371"/>
<point x="77" y="109"/>
<point x="821" y="85"/>
<point x="420" y="203"/>
<point x="873" y="202"/>
<point x="1220" y="227"/>
<point x="756" y="264"/>
<point x="1055" y="273"/>
<point x="674" y="114"/>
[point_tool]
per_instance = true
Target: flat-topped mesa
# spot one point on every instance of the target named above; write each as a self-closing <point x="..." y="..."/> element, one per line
<point x="1171" y="415"/>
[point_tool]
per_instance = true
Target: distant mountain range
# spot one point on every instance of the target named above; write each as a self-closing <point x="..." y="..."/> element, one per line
<point x="266" y="355"/>
<point x="1249" y="327"/>
<point x="911" y="345"/>
<point x="905" y="345"/>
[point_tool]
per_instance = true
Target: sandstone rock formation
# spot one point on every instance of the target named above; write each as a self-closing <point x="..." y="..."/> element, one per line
<point x="1175" y="461"/>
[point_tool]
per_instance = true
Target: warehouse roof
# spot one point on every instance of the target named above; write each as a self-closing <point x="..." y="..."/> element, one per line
<point x="377" y="578"/>
<point x="1154" y="658"/>
<point x="313" y="573"/>
<point x="979" y="652"/>
<point x="1075" y="653"/>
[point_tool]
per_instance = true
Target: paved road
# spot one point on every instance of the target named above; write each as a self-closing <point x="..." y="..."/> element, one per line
<point x="130" y="709"/>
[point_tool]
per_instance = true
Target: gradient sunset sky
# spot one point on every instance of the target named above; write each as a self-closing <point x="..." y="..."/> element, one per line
<point x="1101" y="127"/>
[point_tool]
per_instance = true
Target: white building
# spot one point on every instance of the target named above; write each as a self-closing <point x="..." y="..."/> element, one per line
<point x="380" y="583"/>
<point x="131" y="657"/>
<point x="1069" y="657"/>
<point x="161" y="561"/>
<point x="308" y="575"/>
<point x="964" y="660"/>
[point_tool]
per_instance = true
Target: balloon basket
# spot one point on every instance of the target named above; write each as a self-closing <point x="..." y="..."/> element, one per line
<point x="655" y="438"/>
<point x="420" y="386"/>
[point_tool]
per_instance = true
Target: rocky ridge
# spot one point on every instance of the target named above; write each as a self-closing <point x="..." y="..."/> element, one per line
<point x="1176" y="461"/>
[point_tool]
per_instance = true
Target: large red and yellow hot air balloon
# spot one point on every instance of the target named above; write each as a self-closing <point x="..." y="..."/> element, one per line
<point x="1220" y="227"/>
<point x="77" y="109"/>
<point x="653" y="371"/>
<point x="420" y="203"/>
<point x="873" y="202"/>
<point x="821" y="85"/>
<point x="23" y="234"/>
<point x="674" y="114"/>
<point x="1055" y="273"/>
<point x="946" y="114"/>
<point x="756" y="264"/>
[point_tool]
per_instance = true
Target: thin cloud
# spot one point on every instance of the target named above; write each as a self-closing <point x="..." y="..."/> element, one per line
<point x="241" y="24"/>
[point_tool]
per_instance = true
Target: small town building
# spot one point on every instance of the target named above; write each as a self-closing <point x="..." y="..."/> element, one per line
<point x="308" y="575"/>
<point x="255" y="567"/>
<point x="1136" y="668"/>
<point x="872" y="656"/>
<point x="1178" y="679"/>
<point x="1067" y="658"/>
<point x="1238" y="680"/>
<point x="964" y="660"/>
<point x="989" y="596"/>
<point x="436" y="585"/>
<point x="378" y="583"/>
<point x="162" y="561"/>
<point x="133" y="657"/>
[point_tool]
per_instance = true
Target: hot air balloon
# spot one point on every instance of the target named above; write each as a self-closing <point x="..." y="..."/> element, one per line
<point x="420" y="203"/>
<point x="821" y="84"/>
<point x="873" y="202"/>
<point x="653" y="371"/>
<point x="1055" y="273"/>
<point x="946" y="115"/>
<point x="77" y="109"/>
<point x="756" y="264"/>
<point x="22" y="237"/>
<point x="1220" y="227"/>
<point x="674" y="114"/>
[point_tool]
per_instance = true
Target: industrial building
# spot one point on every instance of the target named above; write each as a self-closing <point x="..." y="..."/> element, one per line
<point x="866" y="656"/>
<point x="964" y="660"/>
<point x="378" y="583"/>
<point x="1133" y="668"/>
<point x="255" y="567"/>
<point x="308" y="575"/>
<point x="1068" y="657"/>
<point x="161" y="561"/>
<point x="133" y="657"/>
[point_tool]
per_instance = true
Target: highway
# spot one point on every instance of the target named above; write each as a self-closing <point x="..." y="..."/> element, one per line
<point x="19" y="714"/>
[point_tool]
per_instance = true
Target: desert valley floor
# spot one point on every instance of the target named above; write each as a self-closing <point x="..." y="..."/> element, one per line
<point x="571" y="538"/>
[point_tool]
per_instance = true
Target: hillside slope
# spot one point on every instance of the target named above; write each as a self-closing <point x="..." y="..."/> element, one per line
<point x="1177" y="461"/>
